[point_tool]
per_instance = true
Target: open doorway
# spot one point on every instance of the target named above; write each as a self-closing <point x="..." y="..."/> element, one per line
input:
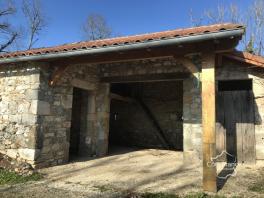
<point x="146" y="115"/>
<point x="78" y="121"/>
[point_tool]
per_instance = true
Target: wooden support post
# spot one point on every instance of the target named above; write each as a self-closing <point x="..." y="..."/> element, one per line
<point x="208" y="121"/>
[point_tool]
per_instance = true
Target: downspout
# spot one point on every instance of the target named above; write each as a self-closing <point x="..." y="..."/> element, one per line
<point x="126" y="47"/>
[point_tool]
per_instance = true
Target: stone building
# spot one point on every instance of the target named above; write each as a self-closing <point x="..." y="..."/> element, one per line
<point x="183" y="90"/>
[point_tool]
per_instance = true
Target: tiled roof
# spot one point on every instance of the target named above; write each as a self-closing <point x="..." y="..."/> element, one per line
<point x="120" y="41"/>
<point x="256" y="60"/>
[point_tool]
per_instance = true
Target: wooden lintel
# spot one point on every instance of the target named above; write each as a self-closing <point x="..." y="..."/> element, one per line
<point x="145" y="78"/>
<point x="121" y="98"/>
<point x="57" y="74"/>
<point x="208" y="122"/>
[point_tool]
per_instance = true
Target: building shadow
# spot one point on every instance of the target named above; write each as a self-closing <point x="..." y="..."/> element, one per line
<point x="227" y="172"/>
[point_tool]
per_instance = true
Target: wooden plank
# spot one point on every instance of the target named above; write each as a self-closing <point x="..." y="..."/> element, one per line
<point x="239" y="124"/>
<point x="220" y="129"/>
<point x="248" y="147"/>
<point x="208" y="121"/>
<point x="145" y="78"/>
<point x="237" y="106"/>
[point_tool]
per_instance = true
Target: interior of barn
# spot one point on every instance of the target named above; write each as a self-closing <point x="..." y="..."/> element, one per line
<point x="146" y="115"/>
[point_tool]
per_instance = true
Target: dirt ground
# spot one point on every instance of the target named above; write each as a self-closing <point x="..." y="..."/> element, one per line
<point x="133" y="171"/>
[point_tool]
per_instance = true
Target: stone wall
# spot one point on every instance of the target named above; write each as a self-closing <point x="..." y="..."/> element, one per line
<point x="56" y="122"/>
<point x="19" y="89"/>
<point x="35" y="119"/>
<point x="192" y="115"/>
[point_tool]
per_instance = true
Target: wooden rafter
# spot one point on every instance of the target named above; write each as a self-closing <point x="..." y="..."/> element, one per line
<point x="247" y="60"/>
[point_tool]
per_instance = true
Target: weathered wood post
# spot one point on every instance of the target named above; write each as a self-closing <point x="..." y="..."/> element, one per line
<point x="208" y="121"/>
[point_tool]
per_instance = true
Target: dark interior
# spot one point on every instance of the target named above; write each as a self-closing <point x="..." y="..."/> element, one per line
<point x="147" y="115"/>
<point x="235" y="85"/>
<point x="80" y="96"/>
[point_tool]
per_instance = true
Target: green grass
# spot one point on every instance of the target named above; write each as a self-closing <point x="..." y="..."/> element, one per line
<point x="257" y="187"/>
<point x="7" y="177"/>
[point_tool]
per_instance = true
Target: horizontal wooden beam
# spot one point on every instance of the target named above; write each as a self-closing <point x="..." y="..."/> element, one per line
<point x="122" y="98"/>
<point x="145" y="78"/>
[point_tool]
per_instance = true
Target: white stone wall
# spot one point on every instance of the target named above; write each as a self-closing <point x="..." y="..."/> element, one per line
<point x="192" y="115"/>
<point x="19" y="86"/>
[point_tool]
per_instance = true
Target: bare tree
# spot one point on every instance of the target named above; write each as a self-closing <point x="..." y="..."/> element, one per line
<point x="7" y="34"/>
<point x="35" y="18"/>
<point x="96" y="27"/>
<point x="253" y="19"/>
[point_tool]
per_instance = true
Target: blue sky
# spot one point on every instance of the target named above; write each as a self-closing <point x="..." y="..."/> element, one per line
<point x="126" y="17"/>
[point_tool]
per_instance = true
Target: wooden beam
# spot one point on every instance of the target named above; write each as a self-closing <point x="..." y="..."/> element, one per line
<point x="208" y="122"/>
<point x="145" y="78"/>
<point x="186" y="62"/>
<point x="122" y="98"/>
<point x="57" y="74"/>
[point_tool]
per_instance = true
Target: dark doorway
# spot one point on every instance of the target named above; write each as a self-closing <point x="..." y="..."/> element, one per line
<point x="147" y="115"/>
<point x="78" y="121"/>
<point x="235" y="121"/>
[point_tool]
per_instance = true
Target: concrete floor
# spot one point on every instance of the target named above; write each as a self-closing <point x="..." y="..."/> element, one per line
<point x="128" y="170"/>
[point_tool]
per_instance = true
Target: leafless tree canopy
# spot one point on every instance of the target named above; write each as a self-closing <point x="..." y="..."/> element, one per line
<point x="7" y="33"/>
<point x="253" y="19"/>
<point x="35" y="19"/>
<point x="96" y="27"/>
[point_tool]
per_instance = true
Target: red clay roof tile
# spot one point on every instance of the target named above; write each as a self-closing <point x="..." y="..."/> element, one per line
<point x="125" y="40"/>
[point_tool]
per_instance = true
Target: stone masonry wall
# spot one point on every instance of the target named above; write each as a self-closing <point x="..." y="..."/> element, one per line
<point x="35" y="119"/>
<point x="19" y="86"/>
<point x="56" y="123"/>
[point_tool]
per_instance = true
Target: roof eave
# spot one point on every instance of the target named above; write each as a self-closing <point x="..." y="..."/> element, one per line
<point x="135" y="46"/>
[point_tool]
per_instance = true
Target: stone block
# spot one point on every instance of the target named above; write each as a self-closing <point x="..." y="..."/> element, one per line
<point x="39" y="107"/>
<point x="66" y="101"/>
<point x="12" y="153"/>
<point x="31" y="94"/>
<point x="28" y="154"/>
<point x="43" y="108"/>
<point x="29" y="119"/>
